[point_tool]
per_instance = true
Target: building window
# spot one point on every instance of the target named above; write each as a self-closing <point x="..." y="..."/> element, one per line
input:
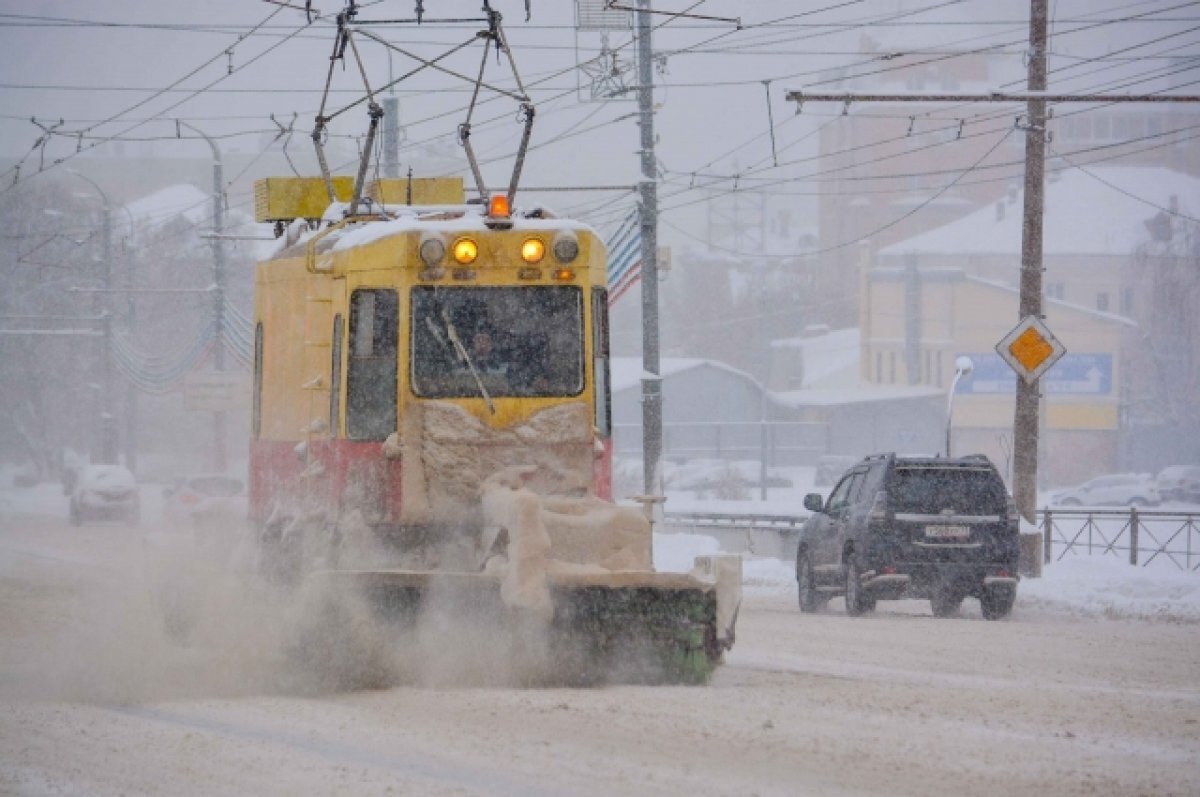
<point x="879" y="367"/>
<point x="1121" y="126"/>
<point x="892" y="367"/>
<point x="1102" y="301"/>
<point x="1056" y="290"/>
<point x="1127" y="301"/>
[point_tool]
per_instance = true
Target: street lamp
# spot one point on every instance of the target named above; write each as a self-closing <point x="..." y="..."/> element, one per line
<point x="218" y="246"/>
<point x="107" y="448"/>
<point x="962" y="367"/>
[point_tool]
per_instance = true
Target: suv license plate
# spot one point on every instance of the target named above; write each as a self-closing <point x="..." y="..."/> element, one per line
<point x="947" y="532"/>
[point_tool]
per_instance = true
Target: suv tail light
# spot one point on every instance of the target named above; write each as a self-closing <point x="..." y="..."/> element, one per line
<point x="879" y="508"/>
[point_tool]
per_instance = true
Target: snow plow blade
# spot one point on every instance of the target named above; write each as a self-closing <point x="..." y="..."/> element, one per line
<point x="607" y="627"/>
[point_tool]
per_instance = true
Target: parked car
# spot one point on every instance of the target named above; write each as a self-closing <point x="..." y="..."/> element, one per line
<point x="1126" y="489"/>
<point x="1179" y="483"/>
<point x="912" y="527"/>
<point x="105" y="492"/>
<point x="205" y="498"/>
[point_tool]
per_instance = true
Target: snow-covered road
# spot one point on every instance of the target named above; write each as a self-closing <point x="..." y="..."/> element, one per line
<point x="94" y="699"/>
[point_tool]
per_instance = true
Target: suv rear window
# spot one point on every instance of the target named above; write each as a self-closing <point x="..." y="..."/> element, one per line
<point x="929" y="490"/>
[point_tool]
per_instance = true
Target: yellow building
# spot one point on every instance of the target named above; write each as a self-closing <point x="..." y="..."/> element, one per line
<point x="917" y="321"/>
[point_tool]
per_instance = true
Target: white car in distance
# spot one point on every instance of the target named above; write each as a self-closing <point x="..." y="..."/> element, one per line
<point x="105" y="492"/>
<point x="1127" y="489"/>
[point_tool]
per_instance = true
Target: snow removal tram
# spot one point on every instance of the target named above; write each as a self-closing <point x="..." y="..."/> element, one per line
<point x="431" y="413"/>
<point x="431" y="408"/>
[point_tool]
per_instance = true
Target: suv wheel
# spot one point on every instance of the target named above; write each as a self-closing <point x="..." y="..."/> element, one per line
<point x="945" y="602"/>
<point x="857" y="601"/>
<point x="997" y="604"/>
<point x="810" y="599"/>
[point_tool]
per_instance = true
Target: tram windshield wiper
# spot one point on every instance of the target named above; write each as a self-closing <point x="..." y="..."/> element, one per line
<point x="452" y="334"/>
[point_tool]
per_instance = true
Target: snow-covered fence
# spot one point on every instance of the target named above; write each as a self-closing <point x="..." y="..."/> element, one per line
<point x="1142" y="536"/>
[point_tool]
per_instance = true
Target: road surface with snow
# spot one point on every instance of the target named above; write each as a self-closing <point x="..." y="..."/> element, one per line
<point x="96" y="698"/>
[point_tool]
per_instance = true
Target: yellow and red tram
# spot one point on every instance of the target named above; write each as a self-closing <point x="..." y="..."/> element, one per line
<point x="361" y="325"/>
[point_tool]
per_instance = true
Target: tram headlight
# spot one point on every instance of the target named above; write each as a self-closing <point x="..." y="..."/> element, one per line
<point x="465" y="251"/>
<point x="533" y="250"/>
<point x="432" y="251"/>
<point x="566" y="248"/>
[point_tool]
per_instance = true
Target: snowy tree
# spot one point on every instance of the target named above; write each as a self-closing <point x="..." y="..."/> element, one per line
<point x="1165" y="361"/>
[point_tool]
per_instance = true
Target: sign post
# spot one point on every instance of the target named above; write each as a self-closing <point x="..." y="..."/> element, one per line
<point x="1030" y="349"/>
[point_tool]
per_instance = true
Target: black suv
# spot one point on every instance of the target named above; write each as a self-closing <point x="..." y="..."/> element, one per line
<point x="912" y="527"/>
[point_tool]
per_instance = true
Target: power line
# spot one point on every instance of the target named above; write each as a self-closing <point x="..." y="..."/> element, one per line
<point x="1121" y="190"/>
<point x="16" y="169"/>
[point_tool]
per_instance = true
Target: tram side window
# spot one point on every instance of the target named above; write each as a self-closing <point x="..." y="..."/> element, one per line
<point x="258" y="379"/>
<point x="335" y="381"/>
<point x="603" y="397"/>
<point x="371" y="372"/>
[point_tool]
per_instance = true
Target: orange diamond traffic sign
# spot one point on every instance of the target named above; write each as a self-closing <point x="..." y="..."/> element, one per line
<point x="1030" y="349"/>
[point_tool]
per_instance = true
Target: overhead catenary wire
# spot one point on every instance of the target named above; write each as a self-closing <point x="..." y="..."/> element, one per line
<point x="169" y="108"/>
<point x="843" y="4"/>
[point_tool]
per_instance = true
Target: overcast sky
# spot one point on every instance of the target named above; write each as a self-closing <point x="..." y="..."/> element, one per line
<point x="127" y="68"/>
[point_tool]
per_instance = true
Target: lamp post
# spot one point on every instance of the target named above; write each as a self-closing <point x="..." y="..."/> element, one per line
<point x="106" y="449"/>
<point x="962" y="367"/>
<point x="218" y="245"/>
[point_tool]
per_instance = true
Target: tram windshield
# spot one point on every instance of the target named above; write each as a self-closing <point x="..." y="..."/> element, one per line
<point x="497" y="342"/>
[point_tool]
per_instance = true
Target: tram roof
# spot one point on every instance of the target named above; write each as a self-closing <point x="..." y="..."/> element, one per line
<point x="449" y="219"/>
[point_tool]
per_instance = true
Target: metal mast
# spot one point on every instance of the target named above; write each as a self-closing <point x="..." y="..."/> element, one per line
<point x="218" y="246"/>
<point x="651" y="379"/>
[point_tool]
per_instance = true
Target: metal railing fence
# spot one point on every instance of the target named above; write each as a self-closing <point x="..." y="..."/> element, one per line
<point x="772" y="442"/>
<point x="1139" y="536"/>
<point x="1142" y="536"/>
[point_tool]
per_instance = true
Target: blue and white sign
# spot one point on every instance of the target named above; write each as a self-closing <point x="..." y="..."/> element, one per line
<point x="1074" y="374"/>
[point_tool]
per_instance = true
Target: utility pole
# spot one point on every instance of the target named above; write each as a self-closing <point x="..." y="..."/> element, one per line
<point x="218" y="245"/>
<point x="391" y="136"/>
<point x="218" y="300"/>
<point x="652" y="380"/>
<point x="108" y="420"/>
<point x="1026" y="416"/>
<point x="391" y="128"/>
<point x="104" y="442"/>
<point x="1027" y="412"/>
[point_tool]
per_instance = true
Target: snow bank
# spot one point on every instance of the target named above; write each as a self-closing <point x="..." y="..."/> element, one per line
<point x="1105" y="586"/>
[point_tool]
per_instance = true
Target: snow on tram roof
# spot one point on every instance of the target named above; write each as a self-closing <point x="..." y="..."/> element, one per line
<point x="449" y="219"/>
